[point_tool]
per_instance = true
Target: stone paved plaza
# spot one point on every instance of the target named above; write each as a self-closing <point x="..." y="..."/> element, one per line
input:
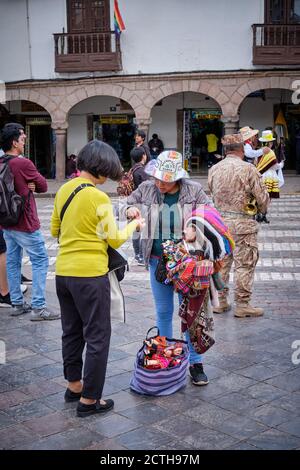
<point x="251" y="402"/>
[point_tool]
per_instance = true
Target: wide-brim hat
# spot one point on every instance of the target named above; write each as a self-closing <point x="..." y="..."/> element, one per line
<point x="248" y="133"/>
<point x="267" y="136"/>
<point x="167" y="167"/>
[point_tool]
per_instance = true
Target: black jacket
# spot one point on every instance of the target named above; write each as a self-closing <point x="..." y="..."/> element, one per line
<point x="139" y="174"/>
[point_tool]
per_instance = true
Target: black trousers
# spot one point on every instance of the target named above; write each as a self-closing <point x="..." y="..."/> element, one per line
<point x="85" y="317"/>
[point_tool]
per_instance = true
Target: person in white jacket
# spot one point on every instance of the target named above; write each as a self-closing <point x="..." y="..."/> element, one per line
<point x="249" y="137"/>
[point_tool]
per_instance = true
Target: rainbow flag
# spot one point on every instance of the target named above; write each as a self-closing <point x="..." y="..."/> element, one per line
<point x="118" y="21"/>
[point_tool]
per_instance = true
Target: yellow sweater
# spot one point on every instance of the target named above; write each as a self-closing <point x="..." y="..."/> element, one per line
<point x="87" y="229"/>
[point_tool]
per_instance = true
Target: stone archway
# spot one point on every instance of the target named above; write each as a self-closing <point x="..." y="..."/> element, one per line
<point x="253" y="85"/>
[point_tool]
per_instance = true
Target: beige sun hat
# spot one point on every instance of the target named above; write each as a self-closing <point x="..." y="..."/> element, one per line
<point x="266" y="136"/>
<point x="247" y="133"/>
<point x="232" y="139"/>
<point x="167" y="167"/>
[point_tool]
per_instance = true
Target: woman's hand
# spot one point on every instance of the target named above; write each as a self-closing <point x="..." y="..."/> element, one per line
<point x="133" y="213"/>
<point x="140" y="224"/>
<point x="31" y="186"/>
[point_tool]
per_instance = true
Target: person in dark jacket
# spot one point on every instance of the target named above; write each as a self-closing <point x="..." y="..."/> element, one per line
<point x="26" y="233"/>
<point x="139" y="157"/>
<point x="140" y="141"/>
<point x="156" y="146"/>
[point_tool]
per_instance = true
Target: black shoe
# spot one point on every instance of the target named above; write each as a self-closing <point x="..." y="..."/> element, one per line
<point x="88" y="410"/>
<point x="25" y="280"/>
<point x="71" y="396"/>
<point x="197" y="374"/>
<point x="5" y="300"/>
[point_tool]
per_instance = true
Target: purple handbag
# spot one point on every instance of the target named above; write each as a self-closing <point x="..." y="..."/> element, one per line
<point x="160" y="382"/>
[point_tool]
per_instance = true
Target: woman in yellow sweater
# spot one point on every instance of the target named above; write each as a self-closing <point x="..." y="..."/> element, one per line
<point x="87" y="229"/>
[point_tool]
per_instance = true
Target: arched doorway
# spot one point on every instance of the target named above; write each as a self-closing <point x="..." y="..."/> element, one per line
<point x="183" y="121"/>
<point x="106" y="118"/>
<point x="40" y="141"/>
<point x="265" y="108"/>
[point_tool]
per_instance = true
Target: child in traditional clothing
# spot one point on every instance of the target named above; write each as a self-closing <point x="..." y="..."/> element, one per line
<point x="193" y="266"/>
<point x="268" y="166"/>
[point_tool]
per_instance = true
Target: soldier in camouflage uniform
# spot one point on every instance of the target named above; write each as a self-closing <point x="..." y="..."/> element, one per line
<point x="233" y="183"/>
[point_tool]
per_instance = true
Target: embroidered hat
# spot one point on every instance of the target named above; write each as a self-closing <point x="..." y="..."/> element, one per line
<point x="231" y="139"/>
<point x="167" y="167"/>
<point x="247" y="133"/>
<point x="266" y="136"/>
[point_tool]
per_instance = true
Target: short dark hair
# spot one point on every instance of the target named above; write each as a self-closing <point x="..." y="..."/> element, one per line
<point x="154" y="136"/>
<point x="137" y="154"/>
<point x="233" y="147"/>
<point x="141" y="133"/>
<point x="10" y="133"/>
<point x="100" y="159"/>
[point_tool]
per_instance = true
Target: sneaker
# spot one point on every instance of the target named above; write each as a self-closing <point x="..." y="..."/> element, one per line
<point x="88" y="410"/>
<point x="71" y="396"/>
<point x="141" y="261"/>
<point x="197" y="374"/>
<point x="5" y="300"/>
<point x="20" y="309"/>
<point x="23" y="288"/>
<point x="40" y="314"/>
<point x="25" y="280"/>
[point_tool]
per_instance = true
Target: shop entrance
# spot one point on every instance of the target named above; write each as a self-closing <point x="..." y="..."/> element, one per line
<point x="39" y="145"/>
<point x="291" y="114"/>
<point x="203" y="130"/>
<point x="117" y="131"/>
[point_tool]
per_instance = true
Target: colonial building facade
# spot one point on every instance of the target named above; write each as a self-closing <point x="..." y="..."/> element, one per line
<point x="178" y="67"/>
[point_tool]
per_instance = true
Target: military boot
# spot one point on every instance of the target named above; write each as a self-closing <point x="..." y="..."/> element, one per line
<point x="224" y="306"/>
<point x="243" y="310"/>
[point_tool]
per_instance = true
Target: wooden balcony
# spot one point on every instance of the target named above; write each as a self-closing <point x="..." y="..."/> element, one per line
<point x="87" y="52"/>
<point x="276" y="44"/>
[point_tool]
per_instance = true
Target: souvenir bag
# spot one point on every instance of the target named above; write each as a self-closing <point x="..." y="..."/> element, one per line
<point x="161" y="366"/>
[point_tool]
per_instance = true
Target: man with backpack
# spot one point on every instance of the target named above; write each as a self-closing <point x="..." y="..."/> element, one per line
<point x="20" y="223"/>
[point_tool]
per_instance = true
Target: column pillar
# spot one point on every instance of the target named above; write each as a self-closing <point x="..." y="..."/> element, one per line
<point x="143" y="124"/>
<point x="60" y="149"/>
<point x="231" y="124"/>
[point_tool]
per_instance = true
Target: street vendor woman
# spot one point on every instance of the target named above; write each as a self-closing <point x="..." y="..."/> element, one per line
<point x="165" y="201"/>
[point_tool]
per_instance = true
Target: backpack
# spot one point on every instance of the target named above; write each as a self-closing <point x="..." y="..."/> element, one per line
<point x="126" y="183"/>
<point x="11" y="203"/>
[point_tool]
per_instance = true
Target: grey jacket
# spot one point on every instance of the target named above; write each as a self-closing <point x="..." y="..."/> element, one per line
<point x="148" y="199"/>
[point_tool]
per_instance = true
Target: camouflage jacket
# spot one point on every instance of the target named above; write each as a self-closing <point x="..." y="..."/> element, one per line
<point x="232" y="184"/>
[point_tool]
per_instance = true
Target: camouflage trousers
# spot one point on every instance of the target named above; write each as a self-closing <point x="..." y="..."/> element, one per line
<point x="245" y="257"/>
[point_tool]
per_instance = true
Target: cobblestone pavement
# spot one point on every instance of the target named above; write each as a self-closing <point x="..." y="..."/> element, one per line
<point x="252" y="401"/>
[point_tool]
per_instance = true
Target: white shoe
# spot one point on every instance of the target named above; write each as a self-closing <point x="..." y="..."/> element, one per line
<point x="23" y="288"/>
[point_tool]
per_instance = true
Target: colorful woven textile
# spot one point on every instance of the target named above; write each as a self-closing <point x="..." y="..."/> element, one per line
<point x="266" y="162"/>
<point x="212" y="235"/>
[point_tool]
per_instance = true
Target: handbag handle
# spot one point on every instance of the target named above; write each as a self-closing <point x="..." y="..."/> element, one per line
<point x="169" y="339"/>
<point x="153" y="327"/>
